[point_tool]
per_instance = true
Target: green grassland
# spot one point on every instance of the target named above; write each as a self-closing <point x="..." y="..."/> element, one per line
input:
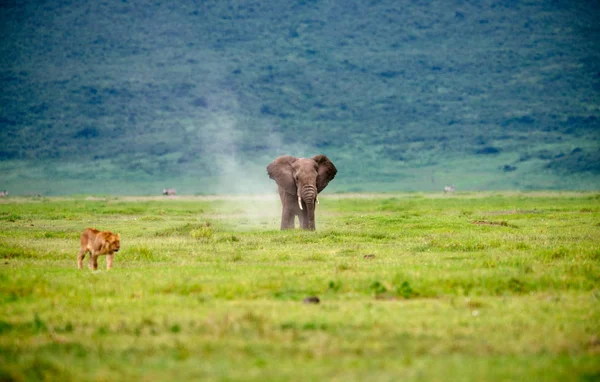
<point x="472" y="286"/>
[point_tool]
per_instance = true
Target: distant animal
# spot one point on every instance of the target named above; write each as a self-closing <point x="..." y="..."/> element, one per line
<point x="311" y="300"/>
<point x="448" y="189"/>
<point x="169" y="191"/>
<point x="98" y="243"/>
<point x="3" y="194"/>
<point x="299" y="180"/>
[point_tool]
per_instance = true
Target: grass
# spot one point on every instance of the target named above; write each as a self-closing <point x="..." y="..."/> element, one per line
<point x="473" y="286"/>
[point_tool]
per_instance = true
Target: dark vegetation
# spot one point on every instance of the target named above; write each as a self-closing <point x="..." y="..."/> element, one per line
<point x="483" y="94"/>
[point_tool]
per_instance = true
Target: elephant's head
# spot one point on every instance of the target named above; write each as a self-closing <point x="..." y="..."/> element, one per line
<point x="302" y="178"/>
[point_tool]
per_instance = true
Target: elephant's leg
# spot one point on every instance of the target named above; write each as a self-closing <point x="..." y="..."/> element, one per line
<point x="303" y="217"/>
<point x="287" y="219"/>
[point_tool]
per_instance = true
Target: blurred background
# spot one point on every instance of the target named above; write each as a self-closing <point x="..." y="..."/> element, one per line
<point x="129" y="97"/>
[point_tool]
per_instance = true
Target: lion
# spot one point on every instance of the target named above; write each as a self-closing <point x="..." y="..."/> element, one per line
<point x="98" y="243"/>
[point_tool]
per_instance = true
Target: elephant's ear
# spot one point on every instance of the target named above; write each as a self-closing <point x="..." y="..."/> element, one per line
<point x="280" y="170"/>
<point x="326" y="171"/>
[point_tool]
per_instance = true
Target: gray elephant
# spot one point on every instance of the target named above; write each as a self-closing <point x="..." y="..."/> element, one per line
<point x="299" y="180"/>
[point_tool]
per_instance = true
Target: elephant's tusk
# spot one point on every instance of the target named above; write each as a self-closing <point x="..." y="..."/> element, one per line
<point x="317" y="197"/>
<point x="299" y="202"/>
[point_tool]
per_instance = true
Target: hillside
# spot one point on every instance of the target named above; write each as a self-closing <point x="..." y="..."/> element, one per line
<point x="201" y="96"/>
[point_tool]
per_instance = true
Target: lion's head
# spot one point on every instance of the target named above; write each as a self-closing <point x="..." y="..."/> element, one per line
<point x="113" y="242"/>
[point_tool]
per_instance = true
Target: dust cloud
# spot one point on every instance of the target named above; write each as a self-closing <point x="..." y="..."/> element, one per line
<point x="243" y="178"/>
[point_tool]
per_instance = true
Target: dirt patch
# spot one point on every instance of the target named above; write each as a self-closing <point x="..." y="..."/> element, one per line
<point x="483" y="222"/>
<point x="96" y="199"/>
<point x="515" y="212"/>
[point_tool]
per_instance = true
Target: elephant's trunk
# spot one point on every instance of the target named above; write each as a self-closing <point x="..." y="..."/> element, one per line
<point x="310" y="216"/>
<point x="309" y="196"/>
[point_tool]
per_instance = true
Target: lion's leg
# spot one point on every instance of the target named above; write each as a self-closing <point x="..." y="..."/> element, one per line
<point x="109" y="260"/>
<point x="93" y="263"/>
<point x="80" y="258"/>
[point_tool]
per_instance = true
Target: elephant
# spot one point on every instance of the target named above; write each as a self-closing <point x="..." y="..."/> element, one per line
<point x="299" y="181"/>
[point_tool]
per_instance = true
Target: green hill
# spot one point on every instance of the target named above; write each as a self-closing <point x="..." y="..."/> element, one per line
<point x="128" y="97"/>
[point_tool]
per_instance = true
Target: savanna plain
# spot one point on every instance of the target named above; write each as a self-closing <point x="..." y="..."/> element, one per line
<point x="468" y="286"/>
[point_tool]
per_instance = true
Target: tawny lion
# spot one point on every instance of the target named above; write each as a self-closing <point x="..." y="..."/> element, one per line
<point x="98" y="243"/>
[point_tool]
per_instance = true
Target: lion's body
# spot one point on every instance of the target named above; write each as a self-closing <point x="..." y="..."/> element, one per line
<point x="98" y="243"/>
